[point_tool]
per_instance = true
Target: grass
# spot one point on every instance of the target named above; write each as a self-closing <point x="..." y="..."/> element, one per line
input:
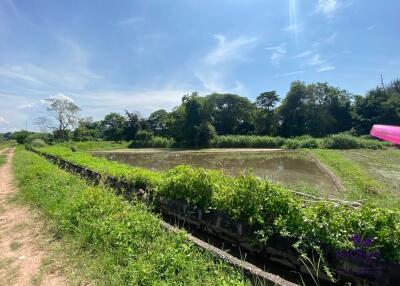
<point x="97" y="145"/>
<point x="3" y="159"/>
<point x="119" y="243"/>
<point x="270" y="208"/>
<point x="359" y="183"/>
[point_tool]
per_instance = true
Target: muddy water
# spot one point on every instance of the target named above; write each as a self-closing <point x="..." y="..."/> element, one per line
<point x="277" y="166"/>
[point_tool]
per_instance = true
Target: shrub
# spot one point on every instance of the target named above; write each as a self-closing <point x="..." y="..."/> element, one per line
<point x="247" y="141"/>
<point x="155" y="142"/>
<point x="270" y="208"/>
<point x="346" y="141"/>
<point x="38" y="143"/>
<point x="143" y="135"/>
<point x="73" y="148"/>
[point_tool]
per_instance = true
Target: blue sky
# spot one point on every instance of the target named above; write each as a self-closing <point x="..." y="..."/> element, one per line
<point x="144" y="55"/>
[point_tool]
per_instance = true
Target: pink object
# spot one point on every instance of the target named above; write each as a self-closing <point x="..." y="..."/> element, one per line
<point x="387" y="133"/>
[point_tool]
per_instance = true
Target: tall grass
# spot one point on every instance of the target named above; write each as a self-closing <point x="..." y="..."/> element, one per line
<point x="125" y="241"/>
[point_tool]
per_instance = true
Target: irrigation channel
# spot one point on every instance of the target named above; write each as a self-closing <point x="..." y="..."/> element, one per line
<point x="228" y="240"/>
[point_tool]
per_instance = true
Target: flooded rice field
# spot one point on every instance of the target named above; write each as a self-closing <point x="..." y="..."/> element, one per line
<point x="288" y="168"/>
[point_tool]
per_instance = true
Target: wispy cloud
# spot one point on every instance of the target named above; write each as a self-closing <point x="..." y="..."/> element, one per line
<point x="369" y="28"/>
<point x="71" y="71"/>
<point x="290" y="73"/>
<point x="303" y="54"/>
<point x="131" y="21"/>
<point x="326" y="67"/>
<point x="228" y="50"/>
<point x="278" y="52"/>
<point x="314" y="59"/>
<point x="222" y="59"/>
<point x="3" y="120"/>
<point x="327" y="6"/>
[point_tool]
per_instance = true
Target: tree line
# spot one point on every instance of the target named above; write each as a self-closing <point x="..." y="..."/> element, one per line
<point x="316" y="109"/>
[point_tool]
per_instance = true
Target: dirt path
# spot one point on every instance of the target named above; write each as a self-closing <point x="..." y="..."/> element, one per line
<point x="22" y="244"/>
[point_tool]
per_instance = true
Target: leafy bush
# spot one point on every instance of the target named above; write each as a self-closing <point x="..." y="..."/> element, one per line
<point x="346" y="141"/>
<point x="247" y="141"/>
<point x="73" y="148"/>
<point x="46" y="137"/>
<point x="155" y="142"/>
<point x="143" y="135"/>
<point x="126" y="244"/>
<point x="270" y="208"/>
<point x="38" y="143"/>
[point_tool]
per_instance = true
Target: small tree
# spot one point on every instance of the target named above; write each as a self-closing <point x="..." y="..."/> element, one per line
<point x="63" y="116"/>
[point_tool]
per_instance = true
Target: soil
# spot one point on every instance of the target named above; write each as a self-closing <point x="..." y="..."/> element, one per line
<point x="23" y="259"/>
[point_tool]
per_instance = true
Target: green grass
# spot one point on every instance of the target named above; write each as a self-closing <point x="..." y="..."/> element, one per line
<point x="120" y="243"/>
<point x="3" y="159"/>
<point x="97" y="145"/>
<point x="270" y="208"/>
<point x="359" y="184"/>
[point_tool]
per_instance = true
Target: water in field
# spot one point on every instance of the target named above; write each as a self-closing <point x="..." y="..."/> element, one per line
<point x="283" y="167"/>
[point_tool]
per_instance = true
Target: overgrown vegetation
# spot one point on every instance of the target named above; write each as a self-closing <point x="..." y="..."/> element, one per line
<point x="270" y="208"/>
<point x="359" y="185"/>
<point x="124" y="241"/>
<point x="3" y="159"/>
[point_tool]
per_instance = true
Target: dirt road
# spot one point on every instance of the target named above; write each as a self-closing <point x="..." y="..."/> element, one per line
<point x="22" y="243"/>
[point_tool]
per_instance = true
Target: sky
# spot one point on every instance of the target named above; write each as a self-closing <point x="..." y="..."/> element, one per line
<point x="143" y="55"/>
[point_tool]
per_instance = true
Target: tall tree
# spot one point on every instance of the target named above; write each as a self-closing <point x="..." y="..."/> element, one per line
<point x="63" y="116"/>
<point x="230" y="113"/>
<point x="293" y="111"/>
<point x="265" y="117"/>
<point x="380" y="106"/>
<point x="113" y="126"/>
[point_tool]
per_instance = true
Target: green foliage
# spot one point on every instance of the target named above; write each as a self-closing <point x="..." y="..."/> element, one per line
<point x="37" y="143"/>
<point x="154" y="142"/>
<point x="270" y="208"/>
<point x="346" y="141"/>
<point x="143" y="135"/>
<point x="249" y="141"/>
<point x="20" y="136"/>
<point x="126" y="244"/>
<point x="46" y="137"/>
<point x="3" y="159"/>
<point x="380" y="106"/>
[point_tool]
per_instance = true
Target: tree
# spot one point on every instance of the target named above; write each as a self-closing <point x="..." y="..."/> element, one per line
<point x="380" y="106"/>
<point x="133" y="123"/>
<point x="230" y="113"/>
<point x="158" y="122"/>
<point x="20" y="136"/>
<point x="87" y="130"/>
<point x="113" y="124"/>
<point x="293" y="111"/>
<point x="63" y="116"/>
<point x="265" y="116"/>
<point x="328" y="110"/>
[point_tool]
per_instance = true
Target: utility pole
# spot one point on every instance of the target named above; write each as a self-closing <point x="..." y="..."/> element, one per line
<point x="26" y="125"/>
<point x="382" y="84"/>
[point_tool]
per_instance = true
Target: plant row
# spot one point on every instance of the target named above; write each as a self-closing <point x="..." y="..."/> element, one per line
<point x="337" y="141"/>
<point x="270" y="209"/>
<point x="126" y="244"/>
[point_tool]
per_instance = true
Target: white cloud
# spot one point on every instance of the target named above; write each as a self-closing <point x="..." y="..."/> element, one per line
<point x="290" y="73"/>
<point x="303" y="54"/>
<point x="213" y="69"/>
<point x="327" y="6"/>
<point x="3" y="120"/>
<point x="326" y="67"/>
<point x="131" y="21"/>
<point x="278" y="52"/>
<point x="229" y="50"/>
<point x="314" y="59"/>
